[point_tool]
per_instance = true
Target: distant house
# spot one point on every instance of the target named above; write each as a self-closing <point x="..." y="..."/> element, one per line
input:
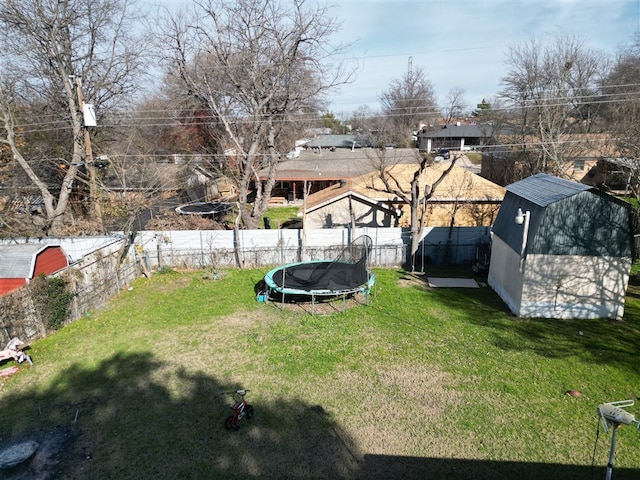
<point x="331" y="142"/>
<point x="455" y="137"/>
<point x="204" y="185"/>
<point x="613" y="174"/>
<point x="318" y="169"/>
<point x="580" y="158"/>
<point x="21" y="263"/>
<point x="561" y="249"/>
<point x="462" y="199"/>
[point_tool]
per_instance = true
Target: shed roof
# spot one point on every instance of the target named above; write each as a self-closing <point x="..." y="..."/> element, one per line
<point x="543" y="189"/>
<point x="18" y="260"/>
<point x="565" y="218"/>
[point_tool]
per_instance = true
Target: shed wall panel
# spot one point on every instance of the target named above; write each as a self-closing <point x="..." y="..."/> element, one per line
<point x="10" y="284"/>
<point x="574" y="286"/>
<point x="504" y="274"/>
<point x="49" y="261"/>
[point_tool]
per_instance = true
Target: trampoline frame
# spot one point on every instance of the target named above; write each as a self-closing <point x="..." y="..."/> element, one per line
<point x="205" y="209"/>
<point x="271" y="287"/>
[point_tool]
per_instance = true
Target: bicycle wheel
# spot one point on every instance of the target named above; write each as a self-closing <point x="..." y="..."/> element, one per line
<point x="231" y="423"/>
<point x="249" y="411"/>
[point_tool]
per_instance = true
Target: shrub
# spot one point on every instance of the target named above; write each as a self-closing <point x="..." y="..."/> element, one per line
<point x="52" y="297"/>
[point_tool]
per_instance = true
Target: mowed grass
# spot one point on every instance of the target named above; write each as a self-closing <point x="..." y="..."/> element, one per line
<point x="417" y="383"/>
<point x="280" y="214"/>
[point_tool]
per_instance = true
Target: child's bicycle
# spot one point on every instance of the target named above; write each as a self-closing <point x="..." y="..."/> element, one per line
<point x="240" y="409"/>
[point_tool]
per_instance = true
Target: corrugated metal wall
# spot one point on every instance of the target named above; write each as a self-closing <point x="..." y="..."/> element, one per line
<point x="454" y="246"/>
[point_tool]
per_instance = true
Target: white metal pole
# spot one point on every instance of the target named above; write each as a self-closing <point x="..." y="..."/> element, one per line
<point x="525" y="234"/>
<point x="612" y="452"/>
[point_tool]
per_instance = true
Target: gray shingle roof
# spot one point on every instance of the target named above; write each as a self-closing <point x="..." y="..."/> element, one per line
<point x="339" y="164"/>
<point x="338" y="141"/>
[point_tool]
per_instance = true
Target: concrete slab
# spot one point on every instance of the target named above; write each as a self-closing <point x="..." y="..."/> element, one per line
<point x="437" y="282"/>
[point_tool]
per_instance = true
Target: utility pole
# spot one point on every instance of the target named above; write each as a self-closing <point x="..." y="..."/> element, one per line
<point x="94" y="205"/>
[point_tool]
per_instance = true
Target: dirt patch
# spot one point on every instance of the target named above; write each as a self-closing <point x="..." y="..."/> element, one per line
<point x="412" y="280"/>
<point x="43" y="465"/>
<point x="324" y="307"/>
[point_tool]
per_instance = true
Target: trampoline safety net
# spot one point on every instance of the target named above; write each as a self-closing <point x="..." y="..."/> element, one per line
<point x="347" y="272"/>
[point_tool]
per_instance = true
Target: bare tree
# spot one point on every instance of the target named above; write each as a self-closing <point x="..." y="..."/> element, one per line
<point x="408" y="101"/>
<point x="52" y="50"/>
<point x="416" y="194"/>
<point x="621" y="94"/>
<point x="150" y="165"/>
<point x="360" y="119"/>
<point x="455" y="105"/>
<point x="140" y="187"/>
<point x="553" y="87"/>
<point x="255" y="65"/>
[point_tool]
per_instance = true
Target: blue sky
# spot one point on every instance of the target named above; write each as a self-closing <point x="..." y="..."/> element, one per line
<point x="462" y="43"/>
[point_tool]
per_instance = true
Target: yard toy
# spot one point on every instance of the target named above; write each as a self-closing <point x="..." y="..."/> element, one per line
<point x="14" y="350"/>
<point x="240" y="409"/>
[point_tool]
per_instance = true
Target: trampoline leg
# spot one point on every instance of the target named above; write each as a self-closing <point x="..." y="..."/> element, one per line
<point x="367" y="296"/>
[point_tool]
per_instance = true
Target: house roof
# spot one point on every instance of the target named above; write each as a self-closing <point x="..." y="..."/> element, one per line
<point x="19" y="260"/>
<point x="573" y="145"/>
<point x="458" y="184"/>
<point x="339" y="164"/>
<point x="337" y="192"/>
<point x="338" y="141"/>
<point x="460" y="131"/>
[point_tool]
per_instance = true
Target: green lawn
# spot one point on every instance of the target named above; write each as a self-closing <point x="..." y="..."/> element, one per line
<point x="280" y="214"/>
<point x="420" y="383"/>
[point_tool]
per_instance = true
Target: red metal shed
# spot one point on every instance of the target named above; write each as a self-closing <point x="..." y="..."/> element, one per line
<point x="20" y="263"/>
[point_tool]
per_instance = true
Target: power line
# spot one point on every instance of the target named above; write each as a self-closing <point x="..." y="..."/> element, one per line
<point x="173" y="117"/>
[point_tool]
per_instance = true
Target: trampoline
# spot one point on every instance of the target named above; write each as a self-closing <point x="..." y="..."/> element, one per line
<point x="323" y="279"/>
<point x="205" y="209"/>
